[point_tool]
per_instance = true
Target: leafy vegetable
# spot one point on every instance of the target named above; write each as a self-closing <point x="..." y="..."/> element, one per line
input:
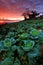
<point x="20" y="43"/>
<point x="7" y="61"/>
<point x="28" y="45"/>
<point x="34" y="33"/>
<point x="7" y="42"/>
<point x="24" y="35"/>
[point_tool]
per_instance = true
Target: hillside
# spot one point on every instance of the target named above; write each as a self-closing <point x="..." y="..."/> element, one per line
<point x="21" y="43"/>
<point x="25" y="23"/>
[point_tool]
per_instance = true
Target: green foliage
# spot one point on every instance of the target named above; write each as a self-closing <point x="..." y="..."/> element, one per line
<point x="41" y="37"/>
<point x="28" y="45"/>
<point x="14" y="47"/>
<point x="17" y="62"/>
<point x="7" y="42"/>
<point x="7" y="61"/>
<point x="20" y="30"/>
<point x="24" y="35"/>
<point x="1" y="46"/>
<point x="34" y="52"/>
<point x="20" y="51"/>
<point x="20" y="43"/>
<point x="34" y="33"/>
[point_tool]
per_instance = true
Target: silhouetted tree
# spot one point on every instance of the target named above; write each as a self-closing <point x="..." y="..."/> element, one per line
<point x="33" y="16"/>
<point x="30" y="14"/>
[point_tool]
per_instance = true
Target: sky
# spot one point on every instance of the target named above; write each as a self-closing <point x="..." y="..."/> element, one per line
<point x="13" y="9"/>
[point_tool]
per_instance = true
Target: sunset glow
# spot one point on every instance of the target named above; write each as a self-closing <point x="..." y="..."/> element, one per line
<point x="13" y="9"/>
<point x="2" y="22"/>
<point x="20" y="18"/>
<point x="9" y="20"/>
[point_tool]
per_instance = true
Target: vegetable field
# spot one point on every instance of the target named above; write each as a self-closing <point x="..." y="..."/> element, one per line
<point x="20" y="43"/>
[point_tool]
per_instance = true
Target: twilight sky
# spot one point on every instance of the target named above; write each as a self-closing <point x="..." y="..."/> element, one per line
<point x="14" y="8"/>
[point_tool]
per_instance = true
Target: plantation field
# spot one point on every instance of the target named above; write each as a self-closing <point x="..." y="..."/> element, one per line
<point x="20" y="43"/>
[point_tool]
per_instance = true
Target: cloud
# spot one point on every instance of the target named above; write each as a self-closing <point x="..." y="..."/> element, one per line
<point x="17" y="7"/>
<point x="18" y="3"/>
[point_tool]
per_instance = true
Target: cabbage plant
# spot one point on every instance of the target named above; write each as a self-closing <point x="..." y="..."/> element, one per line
<point x="24" y="35"/>
<point x="28" y="45"/>
<point x="34" y="33"/>
<point x="20" y="43"/>
<point x="7" y="42"/>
